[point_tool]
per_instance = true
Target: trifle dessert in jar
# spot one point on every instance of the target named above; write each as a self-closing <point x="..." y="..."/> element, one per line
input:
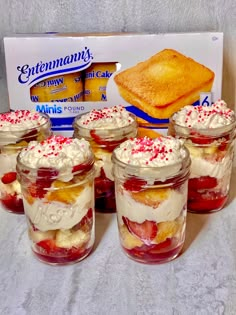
<point x="105" y="129"/>
<point x="151" y="180"/>
<point x="209" y="133"/>
<point x="17" y="129"/>
<point x="57" y="183"/>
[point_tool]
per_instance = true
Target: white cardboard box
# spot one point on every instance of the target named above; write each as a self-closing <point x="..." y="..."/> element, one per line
<point x="30" y="59"/>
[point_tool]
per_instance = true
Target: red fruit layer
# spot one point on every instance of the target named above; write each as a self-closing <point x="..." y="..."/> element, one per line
<point x="65" y="256"/>
<point x="158" y="253"/>
<point x="13" y="203"/>
<point x="224" y="143"/>
<point x="106" y="145"/>
<point x="103" y="185"/>
<point x="202" y="197"/>
<point x="173" y="183"/>
<point x="32" y="225"/>
<point x="104" y="194"/>
<point x="8" y="178"/>
<point x="204" y="140"/>
<point x="45" y="177"/>
<point x="146" y="231"/>
<point x="82" y="168"/>
<point x="46" y="173"/>
<point x="203" y="182"/>
<point x="105" y="204"/>
<point x="86" y="222"/>
<point x="206" y="205"/>
<point x="31" y="136"/>
<point x="200" y="139"/>
<point x="134" y="184"/>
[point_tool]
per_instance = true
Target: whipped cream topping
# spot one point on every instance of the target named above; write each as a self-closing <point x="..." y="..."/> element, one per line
<point x="21" y="120"/>
<point x="106" y="118"/>
<point x="202" y="117"/>
<point x="158" y="152"/>
<point x="57" y="152"/>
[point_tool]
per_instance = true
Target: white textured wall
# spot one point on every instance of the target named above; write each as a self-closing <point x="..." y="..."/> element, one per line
<point x="123" y="15"/>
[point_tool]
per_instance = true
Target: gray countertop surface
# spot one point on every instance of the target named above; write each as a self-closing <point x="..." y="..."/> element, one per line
<point x="202" y="280"/>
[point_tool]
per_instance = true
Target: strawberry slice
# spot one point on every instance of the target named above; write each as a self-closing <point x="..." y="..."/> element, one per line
<point x="156" y="253"/>
<point x="31" y="136"/>
<point x="224" y="143"/>
<point x="36" y="191"/>
<point x="134" y="184"/>
<point x="47" y="251"/>
<point x="45" y="177"/>
<point x="48" y="245"/>
<point x="174" y="182"/>
<point x="82" y="168"/>
<point x="86" y="222"/>
<point x="46" y="173"/>
<point x="13" y="203"/>
<point x="156" y="248"/>
<point x="145" y="231"/>
<point x="9" y="177"/>
<point x="109" y="145"/>
<point x="200" y="139"/>
<point x="203" y="182"/>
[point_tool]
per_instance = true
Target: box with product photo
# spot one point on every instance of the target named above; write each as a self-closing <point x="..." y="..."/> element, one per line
<point x="152" y="75"/>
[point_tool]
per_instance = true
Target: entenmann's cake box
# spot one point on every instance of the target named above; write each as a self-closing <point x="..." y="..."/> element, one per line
<point x="152" y="75"/>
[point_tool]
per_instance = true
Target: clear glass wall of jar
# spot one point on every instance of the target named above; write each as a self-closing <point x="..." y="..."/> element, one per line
<point x="151" y="210"/>
<point x="103" y="141"/>
<point x="212" y="153"/>
<point x="11" y="143"/>
<point x="60" y="214"/>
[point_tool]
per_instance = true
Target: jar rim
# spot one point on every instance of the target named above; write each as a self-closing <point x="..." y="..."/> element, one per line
<point x="44" y="169"/>
<point x="211" y="132"/>
<point x="47" y="120"/>
<point x="76" y="126"/>
<point x="154" y="169"/>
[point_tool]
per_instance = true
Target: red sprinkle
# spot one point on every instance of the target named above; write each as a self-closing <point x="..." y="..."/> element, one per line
<point x="97" y="114"/>
<point x="157" y="148"/>
<point x="18" y="116"/>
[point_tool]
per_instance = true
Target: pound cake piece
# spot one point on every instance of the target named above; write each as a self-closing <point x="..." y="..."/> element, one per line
<point x="146" y="132"/>
<point x="164" y="83"/>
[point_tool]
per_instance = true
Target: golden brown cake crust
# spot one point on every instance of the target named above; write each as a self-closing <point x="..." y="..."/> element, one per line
<point x="145" y="132"/>
<point x="164" y="80"/>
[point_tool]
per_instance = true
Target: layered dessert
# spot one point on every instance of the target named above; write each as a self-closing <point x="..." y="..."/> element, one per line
<point x="57" y="182"/>
<point x="208" y="132"/>
<point x="151" y="197"/>
<point x="17" y="129"/>
<point x="105" y="129"/>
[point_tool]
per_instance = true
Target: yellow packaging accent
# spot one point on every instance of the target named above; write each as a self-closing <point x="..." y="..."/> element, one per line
<point x="96" y="78"/>
<point x="62" y="88"/>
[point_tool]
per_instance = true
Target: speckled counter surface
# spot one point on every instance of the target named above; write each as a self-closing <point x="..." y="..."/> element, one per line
<point x="200" y="281"/>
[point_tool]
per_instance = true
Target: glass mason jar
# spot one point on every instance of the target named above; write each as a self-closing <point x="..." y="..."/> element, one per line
<point x="103" y="141"/>
<point x="12" y="141"/>
<point x="211" y="151"/>
<point x="151" y="209"/>
<point x="59" y="212"/>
